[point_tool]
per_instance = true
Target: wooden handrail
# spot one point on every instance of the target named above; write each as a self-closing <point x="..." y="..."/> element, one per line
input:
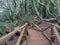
<point x="55" y="25"/>
<point x="20" y="37"/>
<point x="3" y="38"/>
<point x="52" y="24"/>
<point x="37" y="26"/>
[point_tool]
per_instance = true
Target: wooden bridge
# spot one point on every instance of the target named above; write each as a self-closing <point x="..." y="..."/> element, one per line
<point x="42" y="34"/>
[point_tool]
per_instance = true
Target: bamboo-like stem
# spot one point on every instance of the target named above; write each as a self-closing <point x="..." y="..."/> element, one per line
<point x="20" y="37"/>
<point x="3" y="38"/>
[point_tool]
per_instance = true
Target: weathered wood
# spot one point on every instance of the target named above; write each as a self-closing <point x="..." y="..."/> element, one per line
<point x="57" y="35"/>
<point x="35" y="38"/>
<point x="55" y="25"/>
<point x="52" y="24"/>
<point x="40" y="30"/>
<point x="20" y="37"/>
<point x="34" y="33"/>
<point x="3" y="38"/>
<point x="37" y="27"/>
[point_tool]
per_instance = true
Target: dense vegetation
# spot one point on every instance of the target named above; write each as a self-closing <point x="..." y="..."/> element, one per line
<point x="12" y="11"/>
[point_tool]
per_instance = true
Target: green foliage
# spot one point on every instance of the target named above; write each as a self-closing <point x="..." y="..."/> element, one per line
<point x="23" y="10"/>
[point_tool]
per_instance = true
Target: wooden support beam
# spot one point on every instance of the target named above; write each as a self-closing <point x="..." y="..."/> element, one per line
<point x="55" y="31"/>
<point x="20" y="37"/>
<point x="37" y="26"/>
<point x="57" y="35"/>
<point x="3" y="38"/>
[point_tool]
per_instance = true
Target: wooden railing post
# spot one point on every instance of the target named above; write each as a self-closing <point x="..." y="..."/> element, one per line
<point x="57" y="35"/>
<point x="52" y="35"/>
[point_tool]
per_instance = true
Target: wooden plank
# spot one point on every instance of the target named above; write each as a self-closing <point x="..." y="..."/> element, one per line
<point x="57" y="35"/>
<point x="20" y="37"/>
<point x="37" y="26"/>
<point x="3" y="38"/>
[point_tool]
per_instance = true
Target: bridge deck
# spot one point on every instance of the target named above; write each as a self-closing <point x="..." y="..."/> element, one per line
<point x="37" y="38"/>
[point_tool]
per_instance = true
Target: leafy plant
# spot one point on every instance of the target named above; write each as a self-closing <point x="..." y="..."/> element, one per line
<point x="23" y="10"/>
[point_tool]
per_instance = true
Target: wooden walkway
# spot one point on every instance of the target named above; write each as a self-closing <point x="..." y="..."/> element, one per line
<point x="42" y="34"/>
<point x="36" y="37"/>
